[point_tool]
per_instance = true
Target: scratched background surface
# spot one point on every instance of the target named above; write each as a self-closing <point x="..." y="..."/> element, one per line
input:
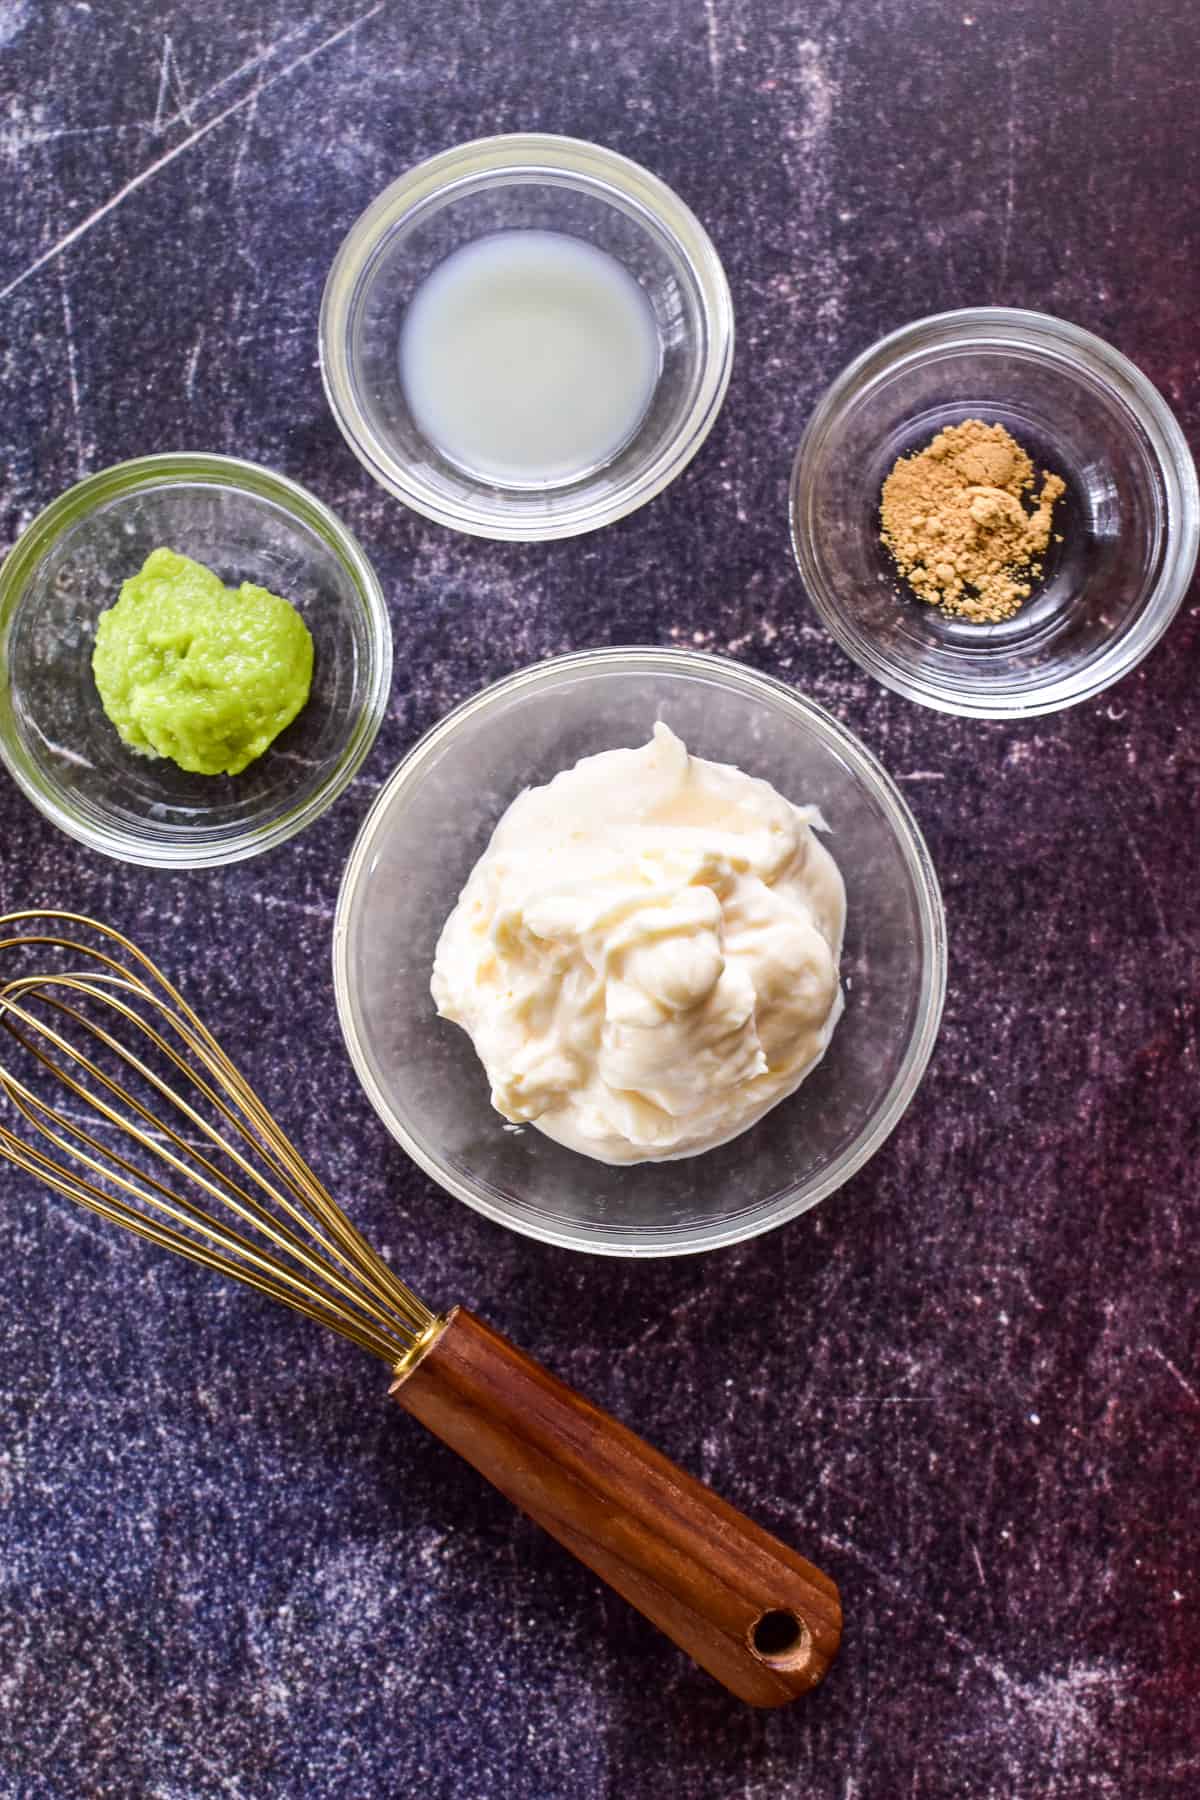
<point x="968" y="1385"/>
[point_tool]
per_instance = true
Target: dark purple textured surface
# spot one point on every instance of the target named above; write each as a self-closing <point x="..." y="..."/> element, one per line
<point x="968" y="1384"/>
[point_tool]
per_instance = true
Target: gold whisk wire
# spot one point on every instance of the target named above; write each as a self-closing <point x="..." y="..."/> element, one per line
<point x="265" y="1220"/>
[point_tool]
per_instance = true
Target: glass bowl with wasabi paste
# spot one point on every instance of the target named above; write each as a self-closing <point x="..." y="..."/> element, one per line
<point x="195" y="658"/>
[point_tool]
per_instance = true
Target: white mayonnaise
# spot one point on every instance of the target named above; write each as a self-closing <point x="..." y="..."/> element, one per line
<point x="646" y="955"/>
<point x="529" y="357"/>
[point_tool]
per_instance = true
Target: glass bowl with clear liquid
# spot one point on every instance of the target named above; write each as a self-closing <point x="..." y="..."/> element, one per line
<point x="526" y="337"/>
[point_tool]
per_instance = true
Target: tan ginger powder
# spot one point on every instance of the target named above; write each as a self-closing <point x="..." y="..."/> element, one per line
<point x="955" y="520"/>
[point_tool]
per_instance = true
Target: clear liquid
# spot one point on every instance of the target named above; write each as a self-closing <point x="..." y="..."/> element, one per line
<point x="529" y="358"/>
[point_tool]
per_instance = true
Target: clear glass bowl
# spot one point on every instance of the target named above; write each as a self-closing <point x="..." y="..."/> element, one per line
<point x="528" y="182"/>
<point x="248" y="525"/>
<point x="432" y="821"/>
<point x="1129" y="518"/>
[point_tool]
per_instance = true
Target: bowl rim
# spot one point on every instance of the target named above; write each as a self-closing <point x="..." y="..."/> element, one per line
<point x="170" y="468"/>
<point x="482" y="162"/>
<point x="1092" y="357"/>
<point x="932" y="926"/>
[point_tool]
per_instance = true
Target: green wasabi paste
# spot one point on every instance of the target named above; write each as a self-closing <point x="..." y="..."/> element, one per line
<point x="202" y="673"/>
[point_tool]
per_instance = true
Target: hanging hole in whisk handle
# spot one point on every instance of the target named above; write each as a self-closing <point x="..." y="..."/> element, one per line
<point x="779" y="1638"/>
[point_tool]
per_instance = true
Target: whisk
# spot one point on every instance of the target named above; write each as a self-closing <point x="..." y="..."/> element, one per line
<point x="151" y="1126"/>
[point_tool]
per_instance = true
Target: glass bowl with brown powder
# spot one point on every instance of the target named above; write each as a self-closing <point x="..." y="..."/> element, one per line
<point x="994" y="513"/>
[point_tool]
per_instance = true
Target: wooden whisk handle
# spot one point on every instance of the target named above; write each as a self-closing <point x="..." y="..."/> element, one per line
<point x="751" y="1611"/>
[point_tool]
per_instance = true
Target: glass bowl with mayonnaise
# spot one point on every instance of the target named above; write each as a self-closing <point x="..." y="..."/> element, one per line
<point x="526" y="337"/>
<point x="685" y="990"/>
